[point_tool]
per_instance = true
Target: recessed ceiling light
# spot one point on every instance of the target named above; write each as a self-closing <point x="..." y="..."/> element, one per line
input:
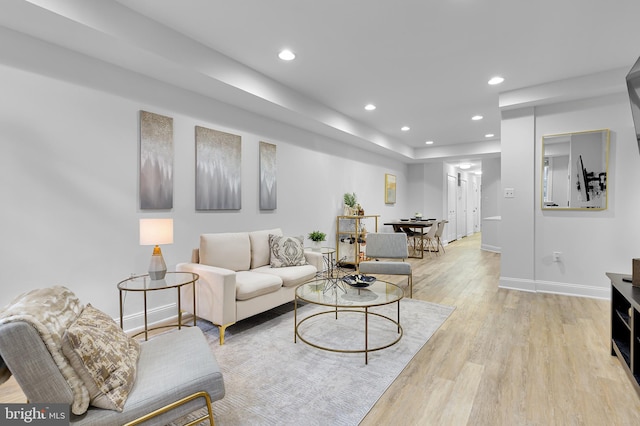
<point x="477" y="117"/>
<point x="369" y="107"/>
<point x="429" y="142"/>
<point x="405" y="128"/>
<point x="287" y="55"/>
<point x="489" y="135"/>
<point x="479" y="172"/>
<point x="495" y="80"/>
<point x="465" y="166"/>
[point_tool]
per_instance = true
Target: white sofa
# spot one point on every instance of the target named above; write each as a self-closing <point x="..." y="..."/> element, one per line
<point x="236" y="277"/>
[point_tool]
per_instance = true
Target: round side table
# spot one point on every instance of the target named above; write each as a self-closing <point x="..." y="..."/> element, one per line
<point x="144" y="284"/>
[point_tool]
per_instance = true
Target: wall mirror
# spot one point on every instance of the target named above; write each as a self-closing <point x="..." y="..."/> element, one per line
<point x="574" y="170"/>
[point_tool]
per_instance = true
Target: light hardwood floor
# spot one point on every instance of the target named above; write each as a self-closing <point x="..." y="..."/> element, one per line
<point x="503" y="357"/>
<point x="507" y="357"/>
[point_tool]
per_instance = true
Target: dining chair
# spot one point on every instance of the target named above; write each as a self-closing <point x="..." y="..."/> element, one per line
<point x="388" y="253"/>
<point x="439" y="233"/>
<point x="429" y="240"/>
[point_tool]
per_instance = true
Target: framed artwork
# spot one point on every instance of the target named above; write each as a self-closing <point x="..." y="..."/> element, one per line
<point x="389" y="188"/>
<point x="268" y="178"/>
<point x="156" y="161"/>
<point x="218" y="171"/>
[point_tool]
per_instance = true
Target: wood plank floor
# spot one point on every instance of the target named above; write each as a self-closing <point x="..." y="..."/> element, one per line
<point x="506" y="357"/>
<point x="503" y="357"/>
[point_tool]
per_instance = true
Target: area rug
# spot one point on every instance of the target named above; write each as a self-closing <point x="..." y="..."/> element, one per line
<point x="270" y="380"/>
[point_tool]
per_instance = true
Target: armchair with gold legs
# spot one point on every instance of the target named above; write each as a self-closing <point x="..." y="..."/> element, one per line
<point x="60" y="351"/>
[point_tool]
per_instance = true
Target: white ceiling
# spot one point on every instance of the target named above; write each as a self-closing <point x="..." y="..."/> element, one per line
<point x="424" y="63"/>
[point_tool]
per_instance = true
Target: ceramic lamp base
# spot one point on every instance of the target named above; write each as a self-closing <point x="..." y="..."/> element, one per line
<point x="157" y="267"/>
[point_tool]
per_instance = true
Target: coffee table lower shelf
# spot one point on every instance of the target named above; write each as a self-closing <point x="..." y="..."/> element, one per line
<point x="366" y="348"/>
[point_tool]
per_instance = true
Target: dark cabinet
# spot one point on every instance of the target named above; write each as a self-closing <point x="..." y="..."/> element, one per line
<point x="625" y="325"/>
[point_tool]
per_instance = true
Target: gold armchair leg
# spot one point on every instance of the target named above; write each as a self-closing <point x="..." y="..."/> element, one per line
<point x="411" y="286"/>
<point x="201" y="394"/>
<point x="221" y="329"/>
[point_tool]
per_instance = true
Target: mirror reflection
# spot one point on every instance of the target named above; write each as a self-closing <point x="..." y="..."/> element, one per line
<point x="574" y="170"/>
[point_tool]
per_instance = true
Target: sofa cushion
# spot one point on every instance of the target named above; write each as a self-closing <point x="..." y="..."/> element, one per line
<point x="260" y="251"/>
<point x="226" y="250"/>
<point x="252" y="284"/>
<point x="292" y="275"/>
<point x="103" y="356"/>
<point x="286" y="251"/>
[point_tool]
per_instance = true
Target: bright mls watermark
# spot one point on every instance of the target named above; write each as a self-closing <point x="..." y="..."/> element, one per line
<point x="34" y="414"/>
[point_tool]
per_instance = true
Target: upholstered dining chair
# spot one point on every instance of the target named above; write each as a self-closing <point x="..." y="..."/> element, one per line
<point x="388" y="252"/>
<point x="430" y="243"/>
<point x="438" y="235"/>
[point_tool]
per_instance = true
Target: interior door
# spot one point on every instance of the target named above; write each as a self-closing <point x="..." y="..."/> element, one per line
<point x="476" y="205"/>
<point x="461" y="210"/>
<point x="452" y="188"/>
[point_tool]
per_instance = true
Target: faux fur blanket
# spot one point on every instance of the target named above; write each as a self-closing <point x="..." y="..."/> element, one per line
<point x="50" y="311"/>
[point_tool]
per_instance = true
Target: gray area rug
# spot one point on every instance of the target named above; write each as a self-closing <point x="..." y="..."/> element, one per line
<point x="270" y="380"/>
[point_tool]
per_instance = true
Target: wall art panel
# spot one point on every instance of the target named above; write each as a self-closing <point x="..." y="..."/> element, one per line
<point x="218" y="170"/>
<point x="268" y="177"/>
<point x="156" y="161"/>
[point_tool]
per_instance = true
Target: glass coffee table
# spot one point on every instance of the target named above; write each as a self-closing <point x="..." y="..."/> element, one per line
<point x="344" y="298"/>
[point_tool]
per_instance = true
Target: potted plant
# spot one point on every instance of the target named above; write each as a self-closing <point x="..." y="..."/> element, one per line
<point x="350" y="201"/>
<point x="317" y="237"/>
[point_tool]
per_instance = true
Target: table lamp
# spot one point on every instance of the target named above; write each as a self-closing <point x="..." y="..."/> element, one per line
<point x="154" y="232"/>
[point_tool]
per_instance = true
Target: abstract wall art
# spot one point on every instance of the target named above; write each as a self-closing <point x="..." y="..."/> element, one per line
<point x="156" y="161"/>
<point x="218" y="170"/>
<point x="389" y="188"/>
<point x="268" y="178"/>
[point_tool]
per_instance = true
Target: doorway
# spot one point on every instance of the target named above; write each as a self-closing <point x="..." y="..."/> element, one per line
<point x="452" y="188"/>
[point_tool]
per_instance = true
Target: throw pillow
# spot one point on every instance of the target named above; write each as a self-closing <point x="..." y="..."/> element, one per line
<point x="103" y="356"/>
<point x="286" y="251"/>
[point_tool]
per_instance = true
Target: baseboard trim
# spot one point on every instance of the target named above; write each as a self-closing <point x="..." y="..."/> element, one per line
<point x="579" y="290"/>
<point x="134" y="323"/>
<point x="517" y="284"/>
<point x="551" y="287"/>
<point x="489" y="247"/>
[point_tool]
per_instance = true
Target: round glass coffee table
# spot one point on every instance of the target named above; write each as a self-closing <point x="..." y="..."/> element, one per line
<point x="343" y="298"/>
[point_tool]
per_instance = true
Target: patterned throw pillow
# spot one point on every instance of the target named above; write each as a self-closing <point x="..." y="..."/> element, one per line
<point x="286" y="251"/>
<point x="103" y="356"/>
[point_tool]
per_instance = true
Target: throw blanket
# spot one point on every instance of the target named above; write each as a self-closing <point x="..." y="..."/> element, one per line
<point x="50" y="311"/>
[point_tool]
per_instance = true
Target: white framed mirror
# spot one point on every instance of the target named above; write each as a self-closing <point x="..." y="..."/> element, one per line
<point x="574" y="170"/>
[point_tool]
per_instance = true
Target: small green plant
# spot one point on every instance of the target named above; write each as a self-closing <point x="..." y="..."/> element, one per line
<point x="317" y="236"/>
<point x="350" y="199"/>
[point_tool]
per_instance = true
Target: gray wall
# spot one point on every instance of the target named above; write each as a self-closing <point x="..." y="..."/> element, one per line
<point x="591" y="242"/>
<point x="69" y="166"/>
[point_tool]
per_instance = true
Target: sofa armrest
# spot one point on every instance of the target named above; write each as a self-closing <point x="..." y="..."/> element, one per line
<point x="315" y="258"/>
<point x="215" y="293"/>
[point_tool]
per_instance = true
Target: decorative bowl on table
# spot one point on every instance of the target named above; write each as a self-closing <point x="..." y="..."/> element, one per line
<point x="357" y="280"/>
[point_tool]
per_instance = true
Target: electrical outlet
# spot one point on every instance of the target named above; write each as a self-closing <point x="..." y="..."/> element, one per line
<point x="509" y="193"/>
<point x="556" y="256"/>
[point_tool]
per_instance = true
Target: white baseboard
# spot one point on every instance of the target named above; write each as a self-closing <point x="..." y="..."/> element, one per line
<point x="489" y="247"/>
<point x="517" y="284"/>
<point x="551" y="287"/>
<point x="574" y="290"/>
<point x="134" y="323"/>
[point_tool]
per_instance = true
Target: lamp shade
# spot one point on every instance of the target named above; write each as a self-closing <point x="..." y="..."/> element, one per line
<point x="156" y="231"/>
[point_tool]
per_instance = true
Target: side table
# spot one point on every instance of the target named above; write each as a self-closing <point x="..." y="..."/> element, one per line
<point x="145" y="284"/>
<point x="328" y="257"/>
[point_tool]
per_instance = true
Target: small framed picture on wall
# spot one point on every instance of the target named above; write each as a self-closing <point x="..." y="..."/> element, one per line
<point x="389" y="188"/>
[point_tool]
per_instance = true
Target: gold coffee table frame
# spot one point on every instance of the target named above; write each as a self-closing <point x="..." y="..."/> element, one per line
<point x="313" y="292"/>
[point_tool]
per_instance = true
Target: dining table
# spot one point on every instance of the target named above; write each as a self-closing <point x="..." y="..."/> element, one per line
<point x="415" y="229"/>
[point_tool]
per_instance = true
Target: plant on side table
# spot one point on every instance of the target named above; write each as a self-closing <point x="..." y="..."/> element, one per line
<point x="317" y="238"/>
